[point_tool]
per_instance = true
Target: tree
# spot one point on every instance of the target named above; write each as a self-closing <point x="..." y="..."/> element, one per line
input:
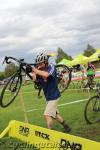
<point x="89" y="51"/>
<point x="2" y="75"/>
<point x="61" y="55"/>
<point x="10" y="69"/>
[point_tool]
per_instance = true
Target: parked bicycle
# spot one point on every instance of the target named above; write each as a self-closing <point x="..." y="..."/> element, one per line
<point x="92" y="108"/>
<point x="13" y="85"/>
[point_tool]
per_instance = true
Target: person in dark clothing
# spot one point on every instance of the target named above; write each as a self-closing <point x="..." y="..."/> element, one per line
<point x="47" y="76"/>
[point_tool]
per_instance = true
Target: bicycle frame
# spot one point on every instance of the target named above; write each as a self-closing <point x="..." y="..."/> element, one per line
<point x="21" y="63"/>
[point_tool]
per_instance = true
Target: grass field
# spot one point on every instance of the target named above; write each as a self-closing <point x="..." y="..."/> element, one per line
<point x="72" y="113"/>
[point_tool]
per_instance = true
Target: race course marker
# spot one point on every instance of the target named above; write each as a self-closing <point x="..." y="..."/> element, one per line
<point x="45" y="139"/>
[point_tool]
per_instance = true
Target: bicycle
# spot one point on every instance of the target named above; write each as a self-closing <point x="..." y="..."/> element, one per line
<point x="92" y="108"/>
<point x="13" y="85"/>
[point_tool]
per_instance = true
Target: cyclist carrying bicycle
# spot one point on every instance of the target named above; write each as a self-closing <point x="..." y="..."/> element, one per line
<point x="90" y="74"/>
<point x="46" y="74"/>
<point x="90" y="70"/>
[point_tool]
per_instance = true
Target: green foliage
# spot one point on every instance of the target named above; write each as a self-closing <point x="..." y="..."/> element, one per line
<point x="62" y="55"/>
<point x="10" y="69"/>
<point x="2" y="75"/>
<point x="89" y="51"/>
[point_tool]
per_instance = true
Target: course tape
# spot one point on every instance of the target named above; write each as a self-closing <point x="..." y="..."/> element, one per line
<point x="45" y="139"/>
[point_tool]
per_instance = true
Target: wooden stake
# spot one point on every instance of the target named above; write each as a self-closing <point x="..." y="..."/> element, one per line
<point x="89" y="93"/>
<point x="81" y="87"/>
<point x="23" y="106"/>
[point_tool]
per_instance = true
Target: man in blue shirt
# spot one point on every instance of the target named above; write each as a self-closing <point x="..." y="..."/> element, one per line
<point x="46" y="74"/>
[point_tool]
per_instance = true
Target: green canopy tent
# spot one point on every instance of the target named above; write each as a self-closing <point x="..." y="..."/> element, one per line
<point x="94" y="57"/>
<point x="98" y="50"/>
<point x="64" y="61"/>
<point x="80" y="59"/>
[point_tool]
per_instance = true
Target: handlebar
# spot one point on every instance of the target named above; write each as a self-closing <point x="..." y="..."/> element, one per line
<point x="20" y="61"/>
<point x="6" y="59"/>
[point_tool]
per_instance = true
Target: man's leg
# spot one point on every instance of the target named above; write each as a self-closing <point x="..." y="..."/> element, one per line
<point x="87" y="84"/>
<point x="63" y="123"/>
<point x="49" y="121"/>
<point x="59" y="118"/>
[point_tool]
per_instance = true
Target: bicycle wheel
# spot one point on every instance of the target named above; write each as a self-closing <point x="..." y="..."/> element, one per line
<point x="92" y="110"/>
<point x="63" y="76"/>
<point x="10" y="90"/>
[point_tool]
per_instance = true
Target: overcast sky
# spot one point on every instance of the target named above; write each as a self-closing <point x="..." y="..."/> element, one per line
<point x="29" y="26"/>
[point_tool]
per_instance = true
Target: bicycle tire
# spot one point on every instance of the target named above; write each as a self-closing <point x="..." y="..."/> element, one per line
<point x="3" y="92"/>
<point x="63" y="67"/>
<point x="95" y="113"/>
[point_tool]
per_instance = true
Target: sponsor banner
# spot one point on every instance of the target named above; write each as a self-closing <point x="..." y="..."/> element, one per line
<point x="46" y="139"/>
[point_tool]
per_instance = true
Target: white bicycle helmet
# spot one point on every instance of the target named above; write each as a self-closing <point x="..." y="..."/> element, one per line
<point x="41" y="58"/>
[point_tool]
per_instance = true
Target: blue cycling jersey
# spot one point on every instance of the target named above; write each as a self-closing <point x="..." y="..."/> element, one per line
<point x="49" y="85"/>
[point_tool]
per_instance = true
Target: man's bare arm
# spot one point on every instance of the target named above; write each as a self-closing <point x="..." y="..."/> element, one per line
<point x="41" y="73"/>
